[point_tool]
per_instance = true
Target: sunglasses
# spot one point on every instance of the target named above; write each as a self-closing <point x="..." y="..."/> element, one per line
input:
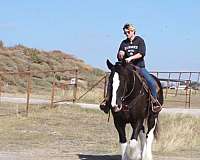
<point x="127" y="32"/>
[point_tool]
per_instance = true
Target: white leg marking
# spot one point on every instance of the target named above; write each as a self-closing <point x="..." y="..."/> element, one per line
<point x="133" y="150"/>
<point x="143" y="140"/>
<point x="147" y="152"/>
<point x="123" y="149"/>
<point x="115" y="87"/>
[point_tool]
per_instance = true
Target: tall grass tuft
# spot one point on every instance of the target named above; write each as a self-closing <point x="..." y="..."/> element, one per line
<point x="178" y="133"/>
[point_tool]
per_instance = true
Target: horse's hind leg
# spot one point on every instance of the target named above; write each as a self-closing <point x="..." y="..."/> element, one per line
<point x="142" y="136"/>
<point x="147" y="150"/>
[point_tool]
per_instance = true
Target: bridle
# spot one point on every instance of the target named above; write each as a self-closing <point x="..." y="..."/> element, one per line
<point x="126" y="96"/>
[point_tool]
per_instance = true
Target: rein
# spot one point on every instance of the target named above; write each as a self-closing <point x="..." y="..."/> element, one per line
<point x="125" y="97"/>
<point x="130" y="93"/>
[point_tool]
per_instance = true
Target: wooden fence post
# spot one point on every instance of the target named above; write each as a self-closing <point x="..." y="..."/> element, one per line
<point x="168" y="85"/>
<point x="53" y="90"/>
<point x="179" y="78"/>
<point x="188" y="95"/>
<point x="28" y="91"/>
<point x="75" y="86"/>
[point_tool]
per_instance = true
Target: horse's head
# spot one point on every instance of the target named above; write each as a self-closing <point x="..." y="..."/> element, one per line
<point x="120" y="77"/>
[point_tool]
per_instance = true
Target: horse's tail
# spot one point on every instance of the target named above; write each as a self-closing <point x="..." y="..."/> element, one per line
<point x="153" y="124"/>
<point x="160" y="94"/>
<point x="156" y="130"/>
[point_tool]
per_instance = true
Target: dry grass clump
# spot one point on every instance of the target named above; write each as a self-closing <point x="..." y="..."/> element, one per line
<point x="94" y="96"/>
<point x="178" y="133"/>
<point x="72" y="130"/>
<point x="66" y="128"/>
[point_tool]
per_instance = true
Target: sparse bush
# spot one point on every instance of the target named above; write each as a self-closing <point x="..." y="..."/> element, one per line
<point x="35" y="56"/>
<point x="98" y="72"/>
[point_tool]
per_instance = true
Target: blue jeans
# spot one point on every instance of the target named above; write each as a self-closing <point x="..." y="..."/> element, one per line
<point x="150" y="81"/>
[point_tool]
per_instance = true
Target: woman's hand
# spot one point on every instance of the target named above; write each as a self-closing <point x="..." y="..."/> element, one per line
<point x="129" y="59"/>
<point x="121" y="55"/>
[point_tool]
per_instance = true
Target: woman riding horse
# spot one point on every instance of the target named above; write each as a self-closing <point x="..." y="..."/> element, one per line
<point x="127" y="91"/>
<point x="133" y="50"/>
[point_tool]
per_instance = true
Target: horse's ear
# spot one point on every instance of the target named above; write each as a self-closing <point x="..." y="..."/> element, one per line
<point x="109" y="64"/>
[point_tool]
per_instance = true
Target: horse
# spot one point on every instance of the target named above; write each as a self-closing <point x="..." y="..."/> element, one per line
<point x="128" y="92"/>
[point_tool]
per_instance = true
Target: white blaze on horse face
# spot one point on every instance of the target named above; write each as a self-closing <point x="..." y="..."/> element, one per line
<point x="115" y="87"/>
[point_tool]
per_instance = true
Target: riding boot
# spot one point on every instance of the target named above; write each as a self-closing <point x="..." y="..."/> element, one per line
<point x="104" y="107"/>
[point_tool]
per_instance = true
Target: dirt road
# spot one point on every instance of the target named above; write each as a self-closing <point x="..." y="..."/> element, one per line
<point x="195" y="112"/>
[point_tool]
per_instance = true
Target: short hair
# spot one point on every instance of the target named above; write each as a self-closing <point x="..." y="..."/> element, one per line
<point x="129" y="27"/>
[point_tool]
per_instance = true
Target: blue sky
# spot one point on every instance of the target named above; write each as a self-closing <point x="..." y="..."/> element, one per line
<point x="92" y="30"/>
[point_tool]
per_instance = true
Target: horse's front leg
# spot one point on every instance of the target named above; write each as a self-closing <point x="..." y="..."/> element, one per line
<point x="120" y="126"/>
<point x="134" y="147"/>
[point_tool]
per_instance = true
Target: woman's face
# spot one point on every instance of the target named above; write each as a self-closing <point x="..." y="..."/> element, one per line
<point x="129" y="33"/>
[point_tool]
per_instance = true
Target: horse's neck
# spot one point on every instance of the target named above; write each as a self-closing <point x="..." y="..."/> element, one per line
<point x="134" y="84"/>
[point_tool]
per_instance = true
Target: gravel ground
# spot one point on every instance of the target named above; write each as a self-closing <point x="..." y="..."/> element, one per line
<point x="62" y="149"/>
<point x="44" y="155"/>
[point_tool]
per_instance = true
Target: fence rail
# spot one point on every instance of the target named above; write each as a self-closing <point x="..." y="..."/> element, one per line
<point x="184" y="79"/>
<point x="29" y="77"/>
<point x="169" y="78"/>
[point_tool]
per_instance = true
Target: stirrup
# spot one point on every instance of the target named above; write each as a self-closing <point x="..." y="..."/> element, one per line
<point x="156" y="108"/>
<point x="104" y="107"/>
